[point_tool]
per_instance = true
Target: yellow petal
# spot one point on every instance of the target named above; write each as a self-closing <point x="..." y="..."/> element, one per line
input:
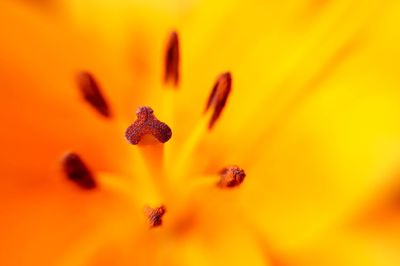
<point x="323" y="160"/>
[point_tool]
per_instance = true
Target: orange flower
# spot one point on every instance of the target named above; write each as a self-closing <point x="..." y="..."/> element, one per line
<point x="279" y="124"/>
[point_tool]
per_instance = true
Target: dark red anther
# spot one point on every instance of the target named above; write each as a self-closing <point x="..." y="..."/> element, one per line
<point x="219" y="96"/>
<point x="77" y="171"/>
<point x="172" y="58"/>
<point x="155" y="215"/>
<point x="147" y="124"/>
<point x="231" y="176"/>
<point x="91" y="92"/>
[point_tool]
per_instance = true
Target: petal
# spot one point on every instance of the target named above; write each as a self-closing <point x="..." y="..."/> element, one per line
<point x="320" y="162"/>
<point x="275" y="62"/>
<point x="347" y="248"/>
<point x="42" y="110"/>
<point x="43" y="116"/>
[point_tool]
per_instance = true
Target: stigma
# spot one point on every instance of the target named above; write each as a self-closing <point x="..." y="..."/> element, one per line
<point x="147" y="124"/>
<point x="218" y="97"/>
<point x="92" y="94"/>
<point x="77" y="171"/>
<point x="231" y="176"/>
<point x="172" y="58"/>
<point x="154" y="215"/>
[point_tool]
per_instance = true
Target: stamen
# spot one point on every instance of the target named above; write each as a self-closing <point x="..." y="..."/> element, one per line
<point x="145" y="124"/>
<point x="155" y="215"/>
<point x="231" y="176"/>
<point x="172" y="58"/>
<point x="77" y="171"/>
<point x="218" y="97"/>
<point x="92" y="94"/>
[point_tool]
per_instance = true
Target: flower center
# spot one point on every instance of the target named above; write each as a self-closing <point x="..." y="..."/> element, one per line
<point x="149" y="136"/>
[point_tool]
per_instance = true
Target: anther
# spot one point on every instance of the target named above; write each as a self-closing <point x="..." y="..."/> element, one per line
<point x="147" y="124"/>
<point x="77" y="171"/>
<point x="231" y="176"/>
<point x="219" y="96"/>
<point x="154" y="215"/>
<point x="172" y="58"/>
<point x="92" y="94"/>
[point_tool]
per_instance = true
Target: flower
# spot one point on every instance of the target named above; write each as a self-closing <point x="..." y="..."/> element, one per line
<point x="311" y="118"/>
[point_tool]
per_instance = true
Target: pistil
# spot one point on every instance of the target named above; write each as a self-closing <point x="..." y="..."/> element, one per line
<point x="147" y="124"/>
